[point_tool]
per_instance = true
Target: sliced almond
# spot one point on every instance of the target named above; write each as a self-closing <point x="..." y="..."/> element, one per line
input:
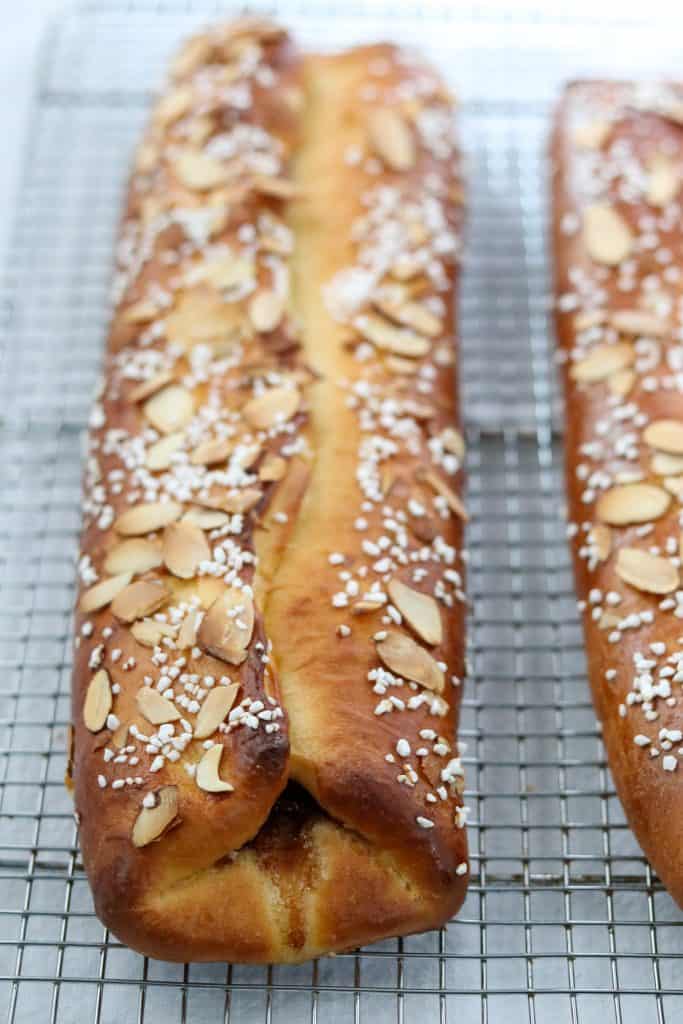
<point x="406" y="658"/>
<point x="215" y="707"/>
<point x="140" y="599"/>
<point x="193" y="53"/>
<point x="246" y="455"/>
<point x="638" y="322"/>
<point x="210" y="453"/>
<point x="133" y="556"/>
<point x="406" y="267"/>
<point x="227" y="627"/>
<point x="152" y="822"/>
<point x="119" y="737"/>
<point x="156" y="708"/>
<point x="399" y="365"/>
<point x="98" y="701"/>
<point x="147" y="518"/>
<point x="588" y="319"/>
<point x="185" y="547"/>
<point x="103" y="593"/>
<point x="412" y="314"/>
<point x="401" y="341"/>
<point x="197" y="171"/>
<point x="140" y="312"/>
<point x="146" y="158"/>
<point x="201" y="316"/>
<point x="151" y="386"/>
<point x="187" y="634"/>
<point x="150" y="633"/>
<point x="607" y="236"/>
<point x="453" y="442"/>
<point x="170" y="409"/>
<point x="646" y="572"/>
<point x="441" y="487"/>
<point x="665" y="436"/>
<point x="591" y="134"/>
<point x="273" y="407"/>
<point x="223" y="274"/>
<point x="622" y="382"/>
<point x="238" y="503"/>
<point x="674" y="485"/>
<point x="273" y="468"/>
<point x="391" y="138"/>
<point x="628" y="504"/>
<point x="665" y="465"/>
<point x="601" y="362"/>
<point x="266" y="310"/>
<point x="207" y="776"/>
<point x="278" y="188"/>
<point x="173" y="105"/>
<point x="600" y="539"/>
<point x="663" y="180"/>
<point x="159" y="456"/>
<point x="206" y="519"/>
<point x="420" y="611"/>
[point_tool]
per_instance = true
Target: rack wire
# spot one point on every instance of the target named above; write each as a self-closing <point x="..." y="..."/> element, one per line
<point x="564" y="920"/>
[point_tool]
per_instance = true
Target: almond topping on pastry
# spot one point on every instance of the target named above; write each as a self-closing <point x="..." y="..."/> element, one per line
<point x="632" y="503"/>
<point x="98" y="701"/>
<point x="420" y="611"/>
<point x="207" y="775"/>
<point x="156" y="708"/>
<point x="406" y="658"/>
<point x="103" y="593"/>
<point x="607" y="236"/>
<point x="215" y="707"/>
<point x="185" y="547"/>
<point x="147" y="518"/>
<point x="392" y="139"/>
<point x="272" y="408"/>
<point x="227" y="627"/>
<point x="156" y="816"/>
<point x="647" y="572"/>
<point x="133" y="556"/>
<point x="140" y="599"/>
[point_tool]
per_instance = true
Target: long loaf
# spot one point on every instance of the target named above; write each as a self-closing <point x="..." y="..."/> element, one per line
<point x="270" y="635"/>
<point x="617" y="154"/>
<point x="269" y="627"/>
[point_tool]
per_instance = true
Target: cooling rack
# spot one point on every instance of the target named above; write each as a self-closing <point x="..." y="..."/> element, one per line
<point x="564" y="920"/>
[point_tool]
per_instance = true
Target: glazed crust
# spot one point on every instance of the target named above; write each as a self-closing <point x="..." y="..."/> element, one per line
<point x="620" y="146"/>
<point x="257" y="196"/>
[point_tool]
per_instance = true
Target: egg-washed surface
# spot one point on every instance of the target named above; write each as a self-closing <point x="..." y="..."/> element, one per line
<point x="271" y="563"/>
<point x="618" y="169"/>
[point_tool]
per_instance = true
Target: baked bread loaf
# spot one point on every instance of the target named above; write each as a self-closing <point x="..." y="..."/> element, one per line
<point x="270" y="621"/>
<point x="617" y="156"/>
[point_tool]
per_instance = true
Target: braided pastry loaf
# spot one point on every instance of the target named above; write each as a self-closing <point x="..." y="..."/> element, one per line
<point x="617" y="158"/>
<point x="270" y="624"/>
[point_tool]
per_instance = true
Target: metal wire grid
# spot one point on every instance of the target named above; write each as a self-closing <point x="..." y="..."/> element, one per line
<point x="564" y="919"/>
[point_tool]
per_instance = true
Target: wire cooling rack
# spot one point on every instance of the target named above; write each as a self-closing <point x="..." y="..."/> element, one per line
<point x="564" y="920"/>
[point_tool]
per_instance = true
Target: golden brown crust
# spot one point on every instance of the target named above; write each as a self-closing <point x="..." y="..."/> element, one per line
<point x="261" y="457"/>
<point x="617" y="149"/>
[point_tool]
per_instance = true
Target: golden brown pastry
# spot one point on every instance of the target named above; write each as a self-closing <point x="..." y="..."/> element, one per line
<point x="270" y="623"/>
<point x="617" y="156"/>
